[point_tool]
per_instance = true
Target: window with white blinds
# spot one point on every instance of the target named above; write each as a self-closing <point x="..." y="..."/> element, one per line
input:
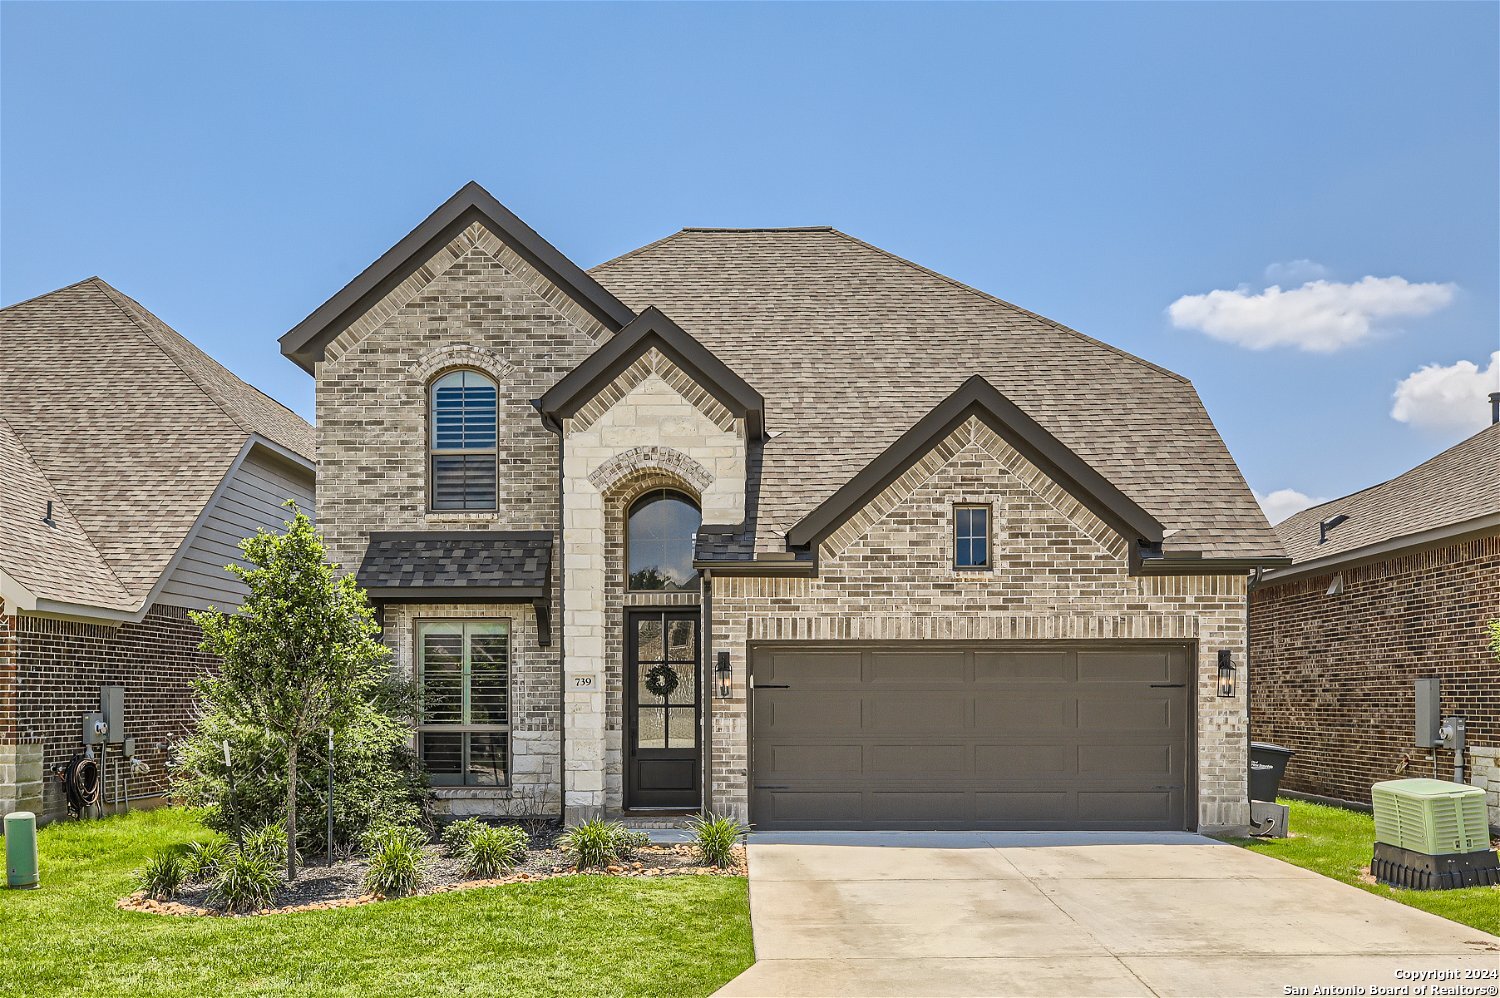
<point x="462" y="447"/>
<point x="464" y="676"/>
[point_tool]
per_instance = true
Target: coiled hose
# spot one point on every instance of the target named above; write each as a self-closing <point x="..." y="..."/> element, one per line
<point x="80" y="780"/>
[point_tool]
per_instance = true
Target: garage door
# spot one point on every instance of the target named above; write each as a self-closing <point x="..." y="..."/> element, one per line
<point x="1056" y="736"/>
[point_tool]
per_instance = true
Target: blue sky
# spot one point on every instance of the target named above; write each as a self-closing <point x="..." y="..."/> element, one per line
<point x="231" y="166"/>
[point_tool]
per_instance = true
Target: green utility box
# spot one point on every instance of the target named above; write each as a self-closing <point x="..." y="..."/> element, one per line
<point x="1432" y="817"/>
<point x="20" y="849"/>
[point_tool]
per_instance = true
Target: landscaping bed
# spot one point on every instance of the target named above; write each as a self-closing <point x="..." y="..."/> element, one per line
<point x="342" y="884"/>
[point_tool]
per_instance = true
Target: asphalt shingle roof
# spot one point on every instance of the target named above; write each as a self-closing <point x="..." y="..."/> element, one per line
<point x="128" y="427"/>
<point x="463" y="559"/>
<point x="1458" y="485"/>
<point x="851" y="345"/>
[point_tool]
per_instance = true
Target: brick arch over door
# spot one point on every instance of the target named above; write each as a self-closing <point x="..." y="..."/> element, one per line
<point x="617" y="501"/>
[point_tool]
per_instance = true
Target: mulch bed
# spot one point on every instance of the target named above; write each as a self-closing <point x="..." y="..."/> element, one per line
<point x="341" y="885"/>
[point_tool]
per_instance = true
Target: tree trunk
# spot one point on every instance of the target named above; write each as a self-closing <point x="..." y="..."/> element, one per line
<point x="291" y="810"/>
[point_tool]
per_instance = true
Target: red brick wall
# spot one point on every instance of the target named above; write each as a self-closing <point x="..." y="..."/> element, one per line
<point x="62" y="664"/>
<point x="1331" y="677"/>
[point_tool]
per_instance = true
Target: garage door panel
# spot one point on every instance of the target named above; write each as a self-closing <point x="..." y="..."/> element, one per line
<point x="1023" y="712"/>
<point x="971" y="736"/>
<point x="1008" y="667"/>
<point x="917" y="669"/>
<point x="919" y="760"/>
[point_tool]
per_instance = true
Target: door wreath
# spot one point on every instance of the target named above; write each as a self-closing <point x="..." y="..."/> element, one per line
<point x="661" y="681"/>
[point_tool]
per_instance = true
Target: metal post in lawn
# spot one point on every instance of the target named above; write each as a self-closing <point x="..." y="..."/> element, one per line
<point x="234" y="818"/>
<point x="330" y="796"/>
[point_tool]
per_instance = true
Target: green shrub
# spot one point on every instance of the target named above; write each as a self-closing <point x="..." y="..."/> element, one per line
<point x="268" y="841"/>
<point x="396" y="859"/>
<point x="599" y="843"/>
<point x="456" y="836"/>
<point x="715" y="838"/>
<point x="163" y="875"/>
<point x="203" y="859"/>
<point x="247" y="881"/>
<point x="377" y="777"/>
<point x="492" y="850"/>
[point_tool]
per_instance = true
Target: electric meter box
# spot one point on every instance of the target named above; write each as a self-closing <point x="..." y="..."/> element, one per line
<point x="1432" y="817"/>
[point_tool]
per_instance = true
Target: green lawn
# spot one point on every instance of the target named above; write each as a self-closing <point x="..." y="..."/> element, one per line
<point x="1338" y="843"/>
<point x="566" y="936"/>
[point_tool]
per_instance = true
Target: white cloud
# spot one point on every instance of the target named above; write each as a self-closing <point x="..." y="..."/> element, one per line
<point x="1295" y="272"/>
<point x="1455" y="397"/>
<point x="1282" y="503"/>
<point x="1319" y="317"/>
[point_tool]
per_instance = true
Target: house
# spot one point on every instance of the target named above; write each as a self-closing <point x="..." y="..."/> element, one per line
<point x="1389" y="585"/>
<point x="130" y="466"/>
<point x="774" y="523"/>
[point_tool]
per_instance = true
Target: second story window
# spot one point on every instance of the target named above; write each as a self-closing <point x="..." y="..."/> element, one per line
<point x="971" y="537"/>
<point x="462" y="447"/>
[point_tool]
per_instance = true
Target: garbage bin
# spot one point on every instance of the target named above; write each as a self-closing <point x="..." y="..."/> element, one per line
<point x="1267" y="766"/>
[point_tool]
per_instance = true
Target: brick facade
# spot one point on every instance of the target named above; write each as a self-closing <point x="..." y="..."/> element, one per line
<point x="1059" y="573"/>
<point x="60" y="666"/>
<point x="1332" y="675"/>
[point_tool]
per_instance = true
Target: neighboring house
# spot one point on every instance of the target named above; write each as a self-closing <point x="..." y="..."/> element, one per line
<point x="131" y="464"/>
<point x="774" y="523"/>
<point x="1389" y="585"/>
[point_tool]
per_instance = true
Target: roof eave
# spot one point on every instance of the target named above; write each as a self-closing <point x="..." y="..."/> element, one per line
<point x="1384" y="549"/>
<point x="306" y="342"/>
<point x="977" y="397"/>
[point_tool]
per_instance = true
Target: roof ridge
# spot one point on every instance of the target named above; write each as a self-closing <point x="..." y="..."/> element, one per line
<point x="62" y="504"/>
<point x="110" y="293"/>
<point x="1011" y="305"/>
<point x="758" y="228"/>
<point x="47" y="294"/>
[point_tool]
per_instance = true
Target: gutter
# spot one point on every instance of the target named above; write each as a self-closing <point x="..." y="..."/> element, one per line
<point x="1383" y="549"/>
<point x="708" y="688"/>
<point x="560" y="630"/>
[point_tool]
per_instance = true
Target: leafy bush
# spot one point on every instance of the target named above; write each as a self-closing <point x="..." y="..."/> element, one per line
<point x="163" y="875"/>
<point x="456" y="836"/>
<point x="599" y="842"/>
<point x="377" y="777"/>
<point x="492" y="850"/>
<point x="203" y="859"/>
<point x="715" y="838"/>
<point x="396" y="859"/>
<point x="247" y="881"/>
<point x="268" y="841"/>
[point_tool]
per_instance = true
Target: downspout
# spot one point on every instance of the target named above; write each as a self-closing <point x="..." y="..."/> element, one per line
<point x="1249" y="680"/>
<point x="708" y="689"/>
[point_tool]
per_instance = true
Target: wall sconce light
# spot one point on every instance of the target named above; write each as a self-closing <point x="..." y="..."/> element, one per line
<point x="721" y="673"/>
<point x="1226" y="673"/>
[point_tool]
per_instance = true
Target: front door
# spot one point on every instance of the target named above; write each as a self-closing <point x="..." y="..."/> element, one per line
<point x="662" y="739"/>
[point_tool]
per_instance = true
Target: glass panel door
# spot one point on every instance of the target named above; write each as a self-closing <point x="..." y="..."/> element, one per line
<point x="662" y="701"/>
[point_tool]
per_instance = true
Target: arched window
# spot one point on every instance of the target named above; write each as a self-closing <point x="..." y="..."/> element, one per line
<point x="462" y="447"/>
<point x="659" y="542"/>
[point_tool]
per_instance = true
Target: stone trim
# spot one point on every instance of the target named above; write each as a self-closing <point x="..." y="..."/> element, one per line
<point x="457" y="355"/>
<point x="956" y="627"/>
<point x="476" y="238"/>
<point x="638" y="459"/>
<point x="651" y="362"/>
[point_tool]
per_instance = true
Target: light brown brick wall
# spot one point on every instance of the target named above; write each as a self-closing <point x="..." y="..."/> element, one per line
<point x="1059" y="573"/>
<point x="1332" y="676"/>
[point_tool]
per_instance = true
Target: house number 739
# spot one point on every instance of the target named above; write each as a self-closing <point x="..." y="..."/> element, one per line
<point x="583" y="681"/>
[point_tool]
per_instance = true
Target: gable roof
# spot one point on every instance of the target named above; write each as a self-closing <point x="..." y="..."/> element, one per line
<point x="306" y="342"/>
<point x="1455" y="492"/>
<point x="978" y="398"/>
<point x="129" y="429"/>
<point x="653" y="329"/>
<point x="851" y="346"/>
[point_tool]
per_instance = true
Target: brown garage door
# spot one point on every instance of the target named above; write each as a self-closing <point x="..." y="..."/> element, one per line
<point x="1083" y="735"/>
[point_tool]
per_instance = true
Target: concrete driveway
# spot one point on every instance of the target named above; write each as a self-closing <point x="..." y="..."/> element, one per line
<point x="1076" y="914"/>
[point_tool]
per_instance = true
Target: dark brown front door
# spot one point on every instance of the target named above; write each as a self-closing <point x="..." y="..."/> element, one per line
<point x="661" y="709"/>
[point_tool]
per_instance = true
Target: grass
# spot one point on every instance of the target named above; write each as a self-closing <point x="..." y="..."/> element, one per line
<point x="566" y="936"/>
<point x="1338" y="843"/>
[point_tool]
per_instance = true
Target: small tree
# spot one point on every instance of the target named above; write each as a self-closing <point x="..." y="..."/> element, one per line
<point x="300" y="655"/>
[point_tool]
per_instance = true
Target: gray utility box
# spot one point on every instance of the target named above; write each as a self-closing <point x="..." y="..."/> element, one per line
<point x="112" y="706"/>
<point x="1429" y="713"/>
